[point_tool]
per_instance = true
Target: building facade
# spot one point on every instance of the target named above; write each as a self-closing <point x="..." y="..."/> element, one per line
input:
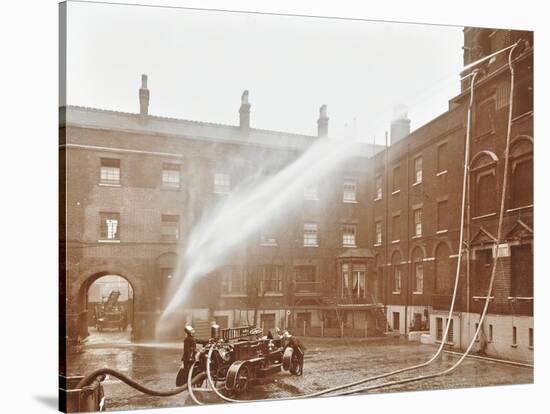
<point x="369" y="250"/>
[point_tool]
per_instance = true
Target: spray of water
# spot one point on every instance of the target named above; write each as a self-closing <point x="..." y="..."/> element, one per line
<point x="244" y="213"/>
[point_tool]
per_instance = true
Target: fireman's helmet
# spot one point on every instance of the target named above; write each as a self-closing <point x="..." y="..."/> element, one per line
<point x="189" y="330"/>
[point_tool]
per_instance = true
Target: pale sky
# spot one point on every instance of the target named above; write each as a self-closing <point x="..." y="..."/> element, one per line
<point x="199" y="62"/>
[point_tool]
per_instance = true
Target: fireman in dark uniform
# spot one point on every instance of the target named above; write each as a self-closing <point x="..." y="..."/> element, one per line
<point x="294" y="343"/>
<point x="189" y="350"/>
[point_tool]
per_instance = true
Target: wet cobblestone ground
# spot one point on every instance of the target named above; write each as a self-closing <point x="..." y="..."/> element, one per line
<point x="328" y="362"/>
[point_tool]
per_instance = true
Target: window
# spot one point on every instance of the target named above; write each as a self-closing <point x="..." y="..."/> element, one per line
<point x="233" y="281"/>
<point x="110" y="226"/>
<point x="310" y="192"/>
<point x="523" y="97"/>
<point x="171" y="175"/>
<point x="305" y="279"/>
<point x="484" y="184"/>
<point x="418" y="170"/>
<point x="521" y="174"/>
<point x="267" y="321"/>
<point x="222" y="183"/>
<point x="417" y="222"/>
<point x="483" y="266"/>
<point x="514" y="336"/>
<point x="442" y="215"/>
<point x="396" y="321"/>
<point x="378" y="233"/>
<point x="271" y="278"/>
<point x="396" y="182"/>
<point x="378" y="187"/>
<point x="311" y="235"/>
<point x="110" y="171"/>
<point x="522" y="270"/>
<point x="419" y="277"/>
<point x="442" y="157"/>
<point x="491" y="333"/>
<point x="396" y="279"/>
<point x="439" y="329"/>
<point x="353" y="280"/>
<point x="348" y="235"/>
<point x="170" y="227"/>
<point x="350" y="188"/>
<point x="450" y="333"/>
<point x="267" y="238"/>
<point x="531" y="339"/>
<point x="485" y="116"/>
<point x="395" y="222"/>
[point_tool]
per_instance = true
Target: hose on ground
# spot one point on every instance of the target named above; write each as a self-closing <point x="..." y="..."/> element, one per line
<point x="88" y="379"/>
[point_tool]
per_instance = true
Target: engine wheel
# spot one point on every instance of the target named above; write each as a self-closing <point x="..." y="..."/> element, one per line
<point x="287" y="358"/>
<point x="296" y="366"/>
<point x="238" y="377"/>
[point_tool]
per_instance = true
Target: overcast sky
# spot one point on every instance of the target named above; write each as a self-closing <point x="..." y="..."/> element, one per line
<point x="199" y="62"/>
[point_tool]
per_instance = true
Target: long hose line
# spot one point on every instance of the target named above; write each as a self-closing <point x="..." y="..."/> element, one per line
<point x="495" y="259"/>
<point x="455" y="290"/>
<point x="88" y="379"/>
<point x="190" y="385"/>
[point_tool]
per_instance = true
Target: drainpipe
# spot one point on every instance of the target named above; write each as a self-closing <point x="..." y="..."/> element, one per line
<point x="407" y="288"/>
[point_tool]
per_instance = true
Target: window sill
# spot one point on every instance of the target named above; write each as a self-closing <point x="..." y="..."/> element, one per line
<point x="311" y="245"/>
<point x="514" y="345"/>
<point x="395" y="192"/>
<point x="163" y="188"/>
<point x="417" y="183"/>
<point x="418" y="236"/>
<point x="352" y="246"/>
<point x="441" y="231"/>
<point x="520" y="298"/>
<point x="397" y="292"/>
<point x="440" y="173"/>
<point x="377" y="245"/>
<point x="378" y="199"/>
<point x="108" y="185"/>
<point x="108" y="241"/>
<point x="478" y="298"/>
<point x="222" y="192"/>
<point x="418" y="293"/>
<point x="269" y="245"/>
<point x="271" y="294"/>
<point x="511" y="210"/>
<point x="350" y="201"/>
<point x="169" y="240"/>
<point x="311" y="199"/>
<point x="234" y="295"/>
<point x="484" y="216"/>
<point x="530" y="348"/>
<point x="395" y="241"/>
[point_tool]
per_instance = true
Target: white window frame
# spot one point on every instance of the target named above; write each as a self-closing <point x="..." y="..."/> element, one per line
<point x="378" y="233"/>
<point x="418" y="277"/>
<point x="397" y="279"/>
<point x="311" y="192"/>
<point x="167" y="224"/>
<point x="222" y="183"/>
<point x="417" y="215"/>
<point x="171" y="175"/>
<point x="349" y="194"/>
<point x="349" y="235"/>
<point x="417" y="170"/>
<point x="311" y="235"/>
<point x="109" y="175"/>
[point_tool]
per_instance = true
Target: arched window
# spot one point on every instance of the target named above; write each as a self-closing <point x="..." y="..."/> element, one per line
<point x="418" y="270"/>
<point x="443" y="271"/>
<point x="521" y="173"/>
<point x="483" y="170"/>
<point x="395" y="274"/>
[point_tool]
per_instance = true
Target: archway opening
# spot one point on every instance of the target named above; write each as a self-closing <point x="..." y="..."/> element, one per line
<point x="108" y="304"/>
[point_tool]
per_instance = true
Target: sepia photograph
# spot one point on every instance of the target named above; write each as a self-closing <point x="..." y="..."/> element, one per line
<point x="268" y="206"/>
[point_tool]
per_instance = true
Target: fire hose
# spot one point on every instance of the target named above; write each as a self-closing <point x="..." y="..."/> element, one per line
<point x="88" y="379"/>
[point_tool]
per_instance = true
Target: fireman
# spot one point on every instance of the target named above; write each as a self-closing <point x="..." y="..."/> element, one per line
<point x="293" y="342"/>
<point x="189" y="350"/>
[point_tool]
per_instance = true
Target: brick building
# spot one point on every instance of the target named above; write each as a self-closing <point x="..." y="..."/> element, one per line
<point x="371" y="248"/>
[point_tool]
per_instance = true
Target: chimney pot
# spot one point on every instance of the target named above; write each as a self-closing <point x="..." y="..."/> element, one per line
<point x="322" y="122"/>
<point x="144" y="96"/>
<point x="244" y="112"/>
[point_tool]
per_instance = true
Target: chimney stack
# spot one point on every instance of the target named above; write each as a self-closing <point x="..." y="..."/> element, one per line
<point x="144" y="96"/>
<point x="322" y="122"/>
<point x="400" y="125"/>
<point x="244" y="112"/>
